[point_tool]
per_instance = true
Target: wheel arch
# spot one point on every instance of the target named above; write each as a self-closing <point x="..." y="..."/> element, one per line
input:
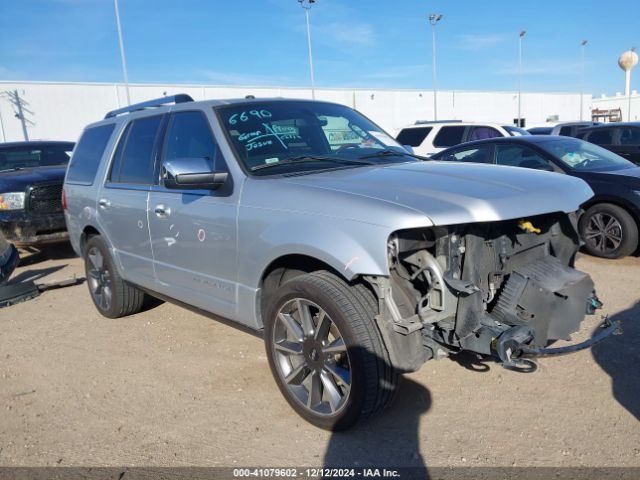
<point x="292" y="265"/>
<point x="87" y="232"/>
<point x="618" y="202"/>
<point x="628" y="207"/>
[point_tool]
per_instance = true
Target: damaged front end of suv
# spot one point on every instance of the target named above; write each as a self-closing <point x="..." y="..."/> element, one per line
<point x="504" y="288"/>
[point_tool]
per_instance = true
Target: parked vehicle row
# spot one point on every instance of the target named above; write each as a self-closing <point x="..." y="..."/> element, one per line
<point x="609" y="226"/>
<point x="427" y="138"/>
<point x="612" y="219"/>
<point x="31" y="213"/>
<point x="304" y="221"/>
<point x="622" y="138"/>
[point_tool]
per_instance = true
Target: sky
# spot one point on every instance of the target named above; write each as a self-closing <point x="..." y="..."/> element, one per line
<point x="356" y="43"/>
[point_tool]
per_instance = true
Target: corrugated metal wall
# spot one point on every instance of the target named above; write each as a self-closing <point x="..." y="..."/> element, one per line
<point x="61" y="110"/>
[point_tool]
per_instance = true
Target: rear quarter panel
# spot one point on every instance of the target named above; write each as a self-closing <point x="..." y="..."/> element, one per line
<point x="82" y="199"/>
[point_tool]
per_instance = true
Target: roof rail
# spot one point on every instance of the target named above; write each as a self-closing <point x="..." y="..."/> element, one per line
<point x="156" y="102"/>
<point x="426" y="122"/>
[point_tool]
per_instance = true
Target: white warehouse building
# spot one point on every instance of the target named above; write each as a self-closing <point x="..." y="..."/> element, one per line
<point x="60" y="110"/>
<point x="629" y="106"/>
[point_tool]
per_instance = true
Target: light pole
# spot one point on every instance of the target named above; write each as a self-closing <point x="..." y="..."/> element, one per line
<point x="307" y="4"/>
<point x="121" y="43"/>
<point x="433" y="19"/>
<point x="520" y="37"/>
<point x="583" y="44"/>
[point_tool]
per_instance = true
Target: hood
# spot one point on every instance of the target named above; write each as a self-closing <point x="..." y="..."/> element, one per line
<point x="19" y="180"/>
<point x="446" y="192"/>
<point x="626" y="176"/>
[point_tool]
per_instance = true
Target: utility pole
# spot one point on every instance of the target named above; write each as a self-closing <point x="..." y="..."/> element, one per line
<point x="433" y="19"/>
<point x="20" y="115"/>
<point x="21" y="110"/>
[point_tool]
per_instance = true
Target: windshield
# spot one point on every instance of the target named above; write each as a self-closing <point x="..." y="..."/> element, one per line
<point x="31" y="156"/>
<point x="280" y="137"/>
<point x="583" y="156"/>
<point x="515" y="131"/>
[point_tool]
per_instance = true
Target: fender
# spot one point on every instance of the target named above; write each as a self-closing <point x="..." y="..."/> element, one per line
<point x="350" y="255"/>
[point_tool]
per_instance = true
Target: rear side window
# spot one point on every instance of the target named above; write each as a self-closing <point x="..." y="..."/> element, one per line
<point x="565" y="131"/>
<point x="630" y="136"/>
<point x="87" y="154"/>
<point x="134" y="160"/>
<point x="449" y="136"/>
<point x="478" y="154"/>
<point x="413" y="136"/>
<point x="480" y="133"/>
<point x="601" y="137"/>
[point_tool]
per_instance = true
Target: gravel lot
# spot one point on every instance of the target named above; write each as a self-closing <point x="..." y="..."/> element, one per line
<point x="169" y="387"/>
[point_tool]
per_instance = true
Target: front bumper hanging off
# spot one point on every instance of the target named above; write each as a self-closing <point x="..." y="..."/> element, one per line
<point x="606" y="328"/>
<point x="514" y="354"/>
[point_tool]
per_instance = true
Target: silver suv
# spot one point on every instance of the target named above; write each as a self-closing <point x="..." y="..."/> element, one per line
<point x="307" y="223"/>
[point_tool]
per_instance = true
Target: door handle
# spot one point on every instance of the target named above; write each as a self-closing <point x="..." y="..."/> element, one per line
<point x="104" y="203"/>
<point x="162" y="211"/>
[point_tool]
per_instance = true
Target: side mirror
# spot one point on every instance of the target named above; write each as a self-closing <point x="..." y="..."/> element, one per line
<point x="185" y="173"/>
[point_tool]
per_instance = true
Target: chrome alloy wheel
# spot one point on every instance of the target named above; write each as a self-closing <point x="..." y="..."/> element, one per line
<point x="604" y="232"/>
<point x="311" y="357"/>
<point x="99" y="279"/>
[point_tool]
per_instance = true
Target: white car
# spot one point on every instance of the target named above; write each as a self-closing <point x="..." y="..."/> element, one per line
<point x="427" y="138"/>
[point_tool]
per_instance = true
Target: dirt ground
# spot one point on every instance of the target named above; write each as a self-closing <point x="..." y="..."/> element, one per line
<point x="169" y="387"/>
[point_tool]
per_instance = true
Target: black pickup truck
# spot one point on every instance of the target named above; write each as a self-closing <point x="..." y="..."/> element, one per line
<point x="31" y="176"/>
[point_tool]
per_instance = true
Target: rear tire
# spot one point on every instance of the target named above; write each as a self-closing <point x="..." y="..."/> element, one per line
<point x="325" y="351"/>
<point x="609" y="231"/>
<point x="111" y="295"/>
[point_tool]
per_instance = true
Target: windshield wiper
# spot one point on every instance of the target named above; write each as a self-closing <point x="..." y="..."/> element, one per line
<point x="307" y="159"/>
<point x="392" y="153"/>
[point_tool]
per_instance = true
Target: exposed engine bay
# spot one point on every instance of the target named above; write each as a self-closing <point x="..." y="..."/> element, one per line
<point x="490" y="288"/>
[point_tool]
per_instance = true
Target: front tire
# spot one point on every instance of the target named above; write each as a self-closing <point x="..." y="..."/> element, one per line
<point x="325" y="351"/>
<point x="609" y="231"/>
<point x="111" y="295"/>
